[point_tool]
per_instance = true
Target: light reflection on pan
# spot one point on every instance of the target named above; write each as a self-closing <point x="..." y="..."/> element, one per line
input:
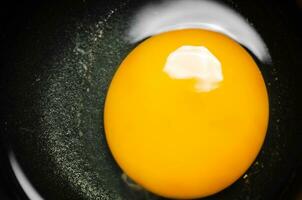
<point x="26" y="185"/>
<point x="171" y="15"/>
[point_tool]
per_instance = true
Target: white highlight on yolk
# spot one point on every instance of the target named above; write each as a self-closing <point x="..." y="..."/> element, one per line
<point x="195" y="62"/>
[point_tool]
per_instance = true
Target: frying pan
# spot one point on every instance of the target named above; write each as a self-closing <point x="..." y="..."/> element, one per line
<point x="58" y="59"/>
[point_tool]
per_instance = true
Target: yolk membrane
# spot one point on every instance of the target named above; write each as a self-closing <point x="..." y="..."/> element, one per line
<point x="186" y="113"/>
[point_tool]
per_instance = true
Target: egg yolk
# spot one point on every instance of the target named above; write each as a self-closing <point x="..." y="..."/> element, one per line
<point x="186" y="113"/>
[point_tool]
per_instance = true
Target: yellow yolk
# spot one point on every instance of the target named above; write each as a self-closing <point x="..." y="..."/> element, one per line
<point x="186" y="113"/>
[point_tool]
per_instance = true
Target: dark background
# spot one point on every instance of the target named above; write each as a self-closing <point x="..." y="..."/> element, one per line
<point x="15" y="17"/>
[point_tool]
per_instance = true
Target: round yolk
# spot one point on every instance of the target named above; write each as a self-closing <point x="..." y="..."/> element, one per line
<point x="186" y="134"/>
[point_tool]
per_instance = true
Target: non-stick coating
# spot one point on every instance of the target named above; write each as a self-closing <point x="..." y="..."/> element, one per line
<point x="57" y="71"/>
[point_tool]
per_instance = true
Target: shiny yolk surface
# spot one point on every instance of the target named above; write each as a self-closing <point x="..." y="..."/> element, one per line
<point x="174" y="139"/>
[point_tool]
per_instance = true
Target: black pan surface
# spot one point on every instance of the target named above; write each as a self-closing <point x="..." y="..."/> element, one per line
<point x="57" y="64"/>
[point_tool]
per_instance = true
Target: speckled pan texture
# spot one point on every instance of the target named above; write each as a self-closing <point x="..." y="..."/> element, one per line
<point x="61" y="70"/>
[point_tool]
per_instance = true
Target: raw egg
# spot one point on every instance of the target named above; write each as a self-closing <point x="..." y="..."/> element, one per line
<point x="186" y="113"/>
